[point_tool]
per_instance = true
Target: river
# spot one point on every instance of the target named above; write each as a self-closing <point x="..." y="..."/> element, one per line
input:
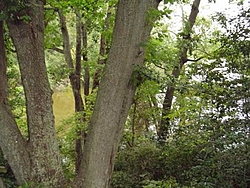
<point x="63" y="104"/>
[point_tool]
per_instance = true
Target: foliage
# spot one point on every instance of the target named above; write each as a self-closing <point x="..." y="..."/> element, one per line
<point x="135" y="165"/>
<point x="209" y="141"/>
<point x="16" y="10"/>
<point x="67" y="132"/>
<point x="16" y="96"/>
<point x="161" y="184"/>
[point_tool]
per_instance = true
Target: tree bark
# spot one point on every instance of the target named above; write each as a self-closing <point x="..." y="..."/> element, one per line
<point x="75" y="75"/>
<point x="15" y="148"/>
<point x="116" y="92"/>
<point x="2" y="183"/>
<point x="66" y="44"/>
<point x="37" y="159"/>
<point x="78" y="97"/>
<point x="165" y="126"/>
<point x="78" y="66"/>
<point x="3" y="67"/>
<point x="85" y="59"/>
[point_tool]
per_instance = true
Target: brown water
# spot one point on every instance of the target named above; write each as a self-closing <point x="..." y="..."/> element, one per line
<point x="63" y="105"/>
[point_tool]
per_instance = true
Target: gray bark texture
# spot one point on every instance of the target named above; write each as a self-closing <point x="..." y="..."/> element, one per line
<point x="38" y="158"/>
<point x="2" y="183"/>
<point x="15" y="147"/>
<point x="116" y="92"/>
<point x="66" y="44"/>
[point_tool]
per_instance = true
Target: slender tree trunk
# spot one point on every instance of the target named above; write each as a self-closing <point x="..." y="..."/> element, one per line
<point x="3" y="67"/>
<point x="78" y="98"/>
<point x="116" y="92"/>
<point x="81" y="134"/>
<point x="75" y="78"/>
<point x="133" y="124"/>
<point x="85" y="59"/>
<point x="165" y="126"/>
<point x="75" y="75"/>
<point x="103" y="51"/>
<point x="37" y="160"/>
<point x="66" y="44"/>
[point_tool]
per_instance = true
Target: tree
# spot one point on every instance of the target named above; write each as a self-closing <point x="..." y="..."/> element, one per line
<point x="3" y="77"/>
<point x="86" y="17"/>
<point x="182" y="59"/>
<point x="3" y="66"/>
<point x="115" y="93"/>
<point x="209" y="143"/>
<point x="103" y="48"/>
<point x="74" y="76"/>
<point x="37" y="159"/>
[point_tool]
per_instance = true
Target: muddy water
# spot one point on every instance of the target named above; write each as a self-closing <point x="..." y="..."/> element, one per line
<point x="63" y="104"/>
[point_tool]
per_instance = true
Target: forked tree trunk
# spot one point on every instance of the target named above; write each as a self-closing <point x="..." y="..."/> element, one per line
<point x="38" y="159"/>
<point x="165" y="124"/>
<point x="116" y="92"/>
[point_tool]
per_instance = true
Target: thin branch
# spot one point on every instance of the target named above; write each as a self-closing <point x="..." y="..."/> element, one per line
<point x="59" y="50"/>
<point x="160" y="67"/>
<point x="195" y="60"/>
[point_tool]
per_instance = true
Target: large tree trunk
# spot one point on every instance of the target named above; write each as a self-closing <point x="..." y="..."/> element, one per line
<point x="116" y="92"/>
<point x="165" y="125"/>
<point x="15" y="148"/>
<point x="39" y="158"/>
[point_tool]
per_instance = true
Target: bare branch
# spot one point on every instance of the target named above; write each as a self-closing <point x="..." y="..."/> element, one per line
<point x="59" y="50"/>
<point x="195" y="60"/>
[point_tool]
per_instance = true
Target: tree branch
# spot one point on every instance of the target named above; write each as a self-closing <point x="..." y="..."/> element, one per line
<point x="195" y="60"/>
<point x="59" y="50"/>
<point x="13" y="145"/>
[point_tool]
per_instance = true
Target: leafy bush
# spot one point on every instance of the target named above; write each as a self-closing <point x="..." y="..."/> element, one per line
<point x="137" y="164"/>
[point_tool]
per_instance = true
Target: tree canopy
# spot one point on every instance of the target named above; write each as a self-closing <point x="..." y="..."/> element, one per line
<point x="154" y="106"/>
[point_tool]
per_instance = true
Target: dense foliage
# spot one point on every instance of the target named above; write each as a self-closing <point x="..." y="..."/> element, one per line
<point x="208" y="142"/>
